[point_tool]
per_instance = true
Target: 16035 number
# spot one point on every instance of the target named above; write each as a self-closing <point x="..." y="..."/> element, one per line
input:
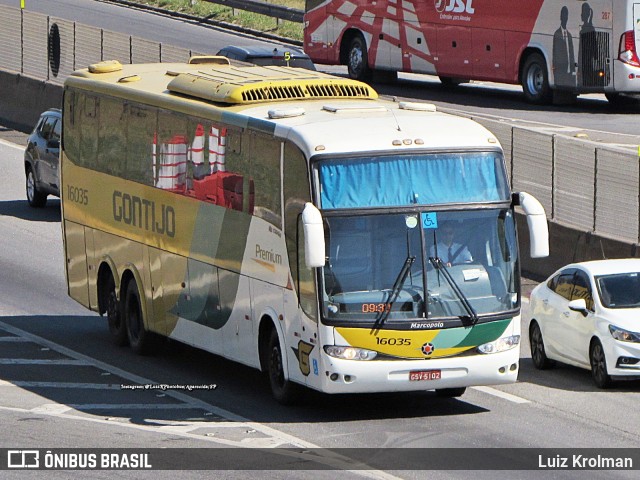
<point x="78" y="195"/>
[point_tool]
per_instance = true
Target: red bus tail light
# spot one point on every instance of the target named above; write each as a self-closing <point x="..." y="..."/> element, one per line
<point x="627" y="51"/>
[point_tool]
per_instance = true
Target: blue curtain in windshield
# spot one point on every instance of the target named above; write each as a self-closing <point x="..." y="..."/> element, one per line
<point x="406" y="180"/>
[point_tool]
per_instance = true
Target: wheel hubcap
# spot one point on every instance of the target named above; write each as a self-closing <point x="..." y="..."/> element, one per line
<point x="277" y="373"/>
<point x="355" y="59"/>
<point x="30" y="185"/>
<point x="535" y="79"/>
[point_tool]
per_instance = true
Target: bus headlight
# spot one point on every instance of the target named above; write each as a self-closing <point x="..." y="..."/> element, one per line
<point x="500" y="345"/>
<point x="349" y="353"/>
<point x="624" y="335"/>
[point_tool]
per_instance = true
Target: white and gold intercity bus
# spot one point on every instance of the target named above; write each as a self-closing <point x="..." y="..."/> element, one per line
<point x="294" y="222"/>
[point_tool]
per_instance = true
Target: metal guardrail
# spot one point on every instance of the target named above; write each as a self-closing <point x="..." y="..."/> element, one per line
<point x="264" y="8"/>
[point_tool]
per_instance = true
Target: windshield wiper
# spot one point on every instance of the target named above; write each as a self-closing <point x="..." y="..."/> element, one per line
<point x="395" y="291"/>
<point x="440" y="266"/>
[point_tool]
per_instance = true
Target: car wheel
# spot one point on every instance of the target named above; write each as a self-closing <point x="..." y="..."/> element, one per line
<point x="117" y="325"/>
<point x="283" y="390"/>
<point x="35" y="197"/>
<point x="538" y="353"/>
<point x="450" y="392"/>
<point x="358" y="60"/>
<point x="599" y="372"/>
<point x="535" y="80"/>
<point x="139" y="337"/>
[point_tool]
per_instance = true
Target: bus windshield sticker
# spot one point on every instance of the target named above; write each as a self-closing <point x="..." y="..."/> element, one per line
<point x="429" y="220"/>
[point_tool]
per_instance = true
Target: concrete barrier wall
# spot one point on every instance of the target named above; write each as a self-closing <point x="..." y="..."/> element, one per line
<point x="23" y="99"/>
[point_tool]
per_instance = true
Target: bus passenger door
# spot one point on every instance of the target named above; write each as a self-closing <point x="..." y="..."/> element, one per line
<point x="454" y="52"/>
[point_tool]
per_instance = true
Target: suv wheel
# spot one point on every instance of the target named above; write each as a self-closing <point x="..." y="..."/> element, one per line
<point x="35" y="197"/>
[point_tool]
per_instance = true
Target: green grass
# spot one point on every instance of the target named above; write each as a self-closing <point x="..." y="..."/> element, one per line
<point x="204" y="9"/>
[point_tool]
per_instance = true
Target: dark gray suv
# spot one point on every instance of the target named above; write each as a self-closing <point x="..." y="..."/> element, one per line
<point x="41" y="158"/>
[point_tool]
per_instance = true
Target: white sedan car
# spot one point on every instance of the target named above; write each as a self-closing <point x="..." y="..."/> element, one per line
<point x="588" y="315"/>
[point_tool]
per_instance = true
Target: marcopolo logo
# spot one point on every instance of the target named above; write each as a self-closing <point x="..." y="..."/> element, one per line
<point x="454" y="6"/>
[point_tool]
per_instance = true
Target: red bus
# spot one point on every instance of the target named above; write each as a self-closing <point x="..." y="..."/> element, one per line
<point x="554" y="49"/>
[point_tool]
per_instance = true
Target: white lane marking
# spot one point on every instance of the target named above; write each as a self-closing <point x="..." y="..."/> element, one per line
<point x="501" y="394"/>
<point x="11" y="145"/>
<point x="281" y="437"/>
<point x="34" y="361"/>
<point x="89" y="386"/>
<point x="13" y="340"/>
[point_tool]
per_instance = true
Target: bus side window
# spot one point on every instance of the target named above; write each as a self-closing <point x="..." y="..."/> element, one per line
<point x="141" y="128"/>
<point x="112" y="149"/>
<point x="265" y="174"/>
<point x="171" y="150"/>
<point x="296" y="193"/>
<point x="88" y="131"/>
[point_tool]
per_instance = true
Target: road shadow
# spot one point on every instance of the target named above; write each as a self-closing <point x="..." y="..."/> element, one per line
<point x="569" y="378"/>
<point x="239" y="389"/>
<point x="21" y="209"/>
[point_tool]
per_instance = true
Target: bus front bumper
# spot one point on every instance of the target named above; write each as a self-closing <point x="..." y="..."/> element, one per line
<point x="351" y="376"/>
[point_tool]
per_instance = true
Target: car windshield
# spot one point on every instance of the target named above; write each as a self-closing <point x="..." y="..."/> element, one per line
<point x="402" y="266"/>
<point x="621" y="290"/>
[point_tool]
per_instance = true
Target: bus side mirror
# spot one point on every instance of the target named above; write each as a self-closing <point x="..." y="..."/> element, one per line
<point x="537" y="223"/>
<point x="314" y="249"/>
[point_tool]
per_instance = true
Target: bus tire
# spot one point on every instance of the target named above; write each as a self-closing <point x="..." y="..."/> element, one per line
<point x="283" y="390"/>
<point x="358" y="59"/>
<point x="113" y="309"/>
<point x="451" y="392"/>
<point x="139" y="337"/>
<point x="35" y="197"/>
<point x="535" y="80"/>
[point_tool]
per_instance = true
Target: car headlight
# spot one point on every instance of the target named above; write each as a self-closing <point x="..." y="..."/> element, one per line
<point x="500" y="345"/>
<point x="624" y="335"/>
<point x="349" y="353"/>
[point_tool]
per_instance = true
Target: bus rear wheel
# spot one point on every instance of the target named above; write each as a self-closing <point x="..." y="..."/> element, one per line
<point x="139" y="337"/>
<point x="117" y="326"/>
<point x="535" y="80"/>
<point x="283" y="390"/>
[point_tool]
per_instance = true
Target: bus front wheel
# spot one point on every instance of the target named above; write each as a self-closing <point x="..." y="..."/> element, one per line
<point x="357" y="59"/>
<point x="139" y="337"/>
<point x="283" y="390"/>
<point x="535" y="80"/>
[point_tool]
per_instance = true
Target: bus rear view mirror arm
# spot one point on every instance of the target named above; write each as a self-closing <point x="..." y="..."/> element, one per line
<point x="314" y="249"/>
<point x="537" y="223"/>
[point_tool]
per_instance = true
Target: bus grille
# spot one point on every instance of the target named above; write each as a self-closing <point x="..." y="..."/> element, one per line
<point x="594" y="59"/>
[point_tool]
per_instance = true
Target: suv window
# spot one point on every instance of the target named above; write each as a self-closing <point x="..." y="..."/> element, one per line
<point x="48" y="128"/>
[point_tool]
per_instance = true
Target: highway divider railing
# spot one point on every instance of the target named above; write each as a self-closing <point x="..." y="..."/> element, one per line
<point x="590" y="187"/>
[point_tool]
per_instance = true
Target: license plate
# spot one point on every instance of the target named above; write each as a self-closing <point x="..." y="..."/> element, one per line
<point x="418" y="375"/>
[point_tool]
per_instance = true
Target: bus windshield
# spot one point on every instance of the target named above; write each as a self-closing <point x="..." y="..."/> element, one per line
<point x="413" y="179"/>
<point x="426" y="265"/>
